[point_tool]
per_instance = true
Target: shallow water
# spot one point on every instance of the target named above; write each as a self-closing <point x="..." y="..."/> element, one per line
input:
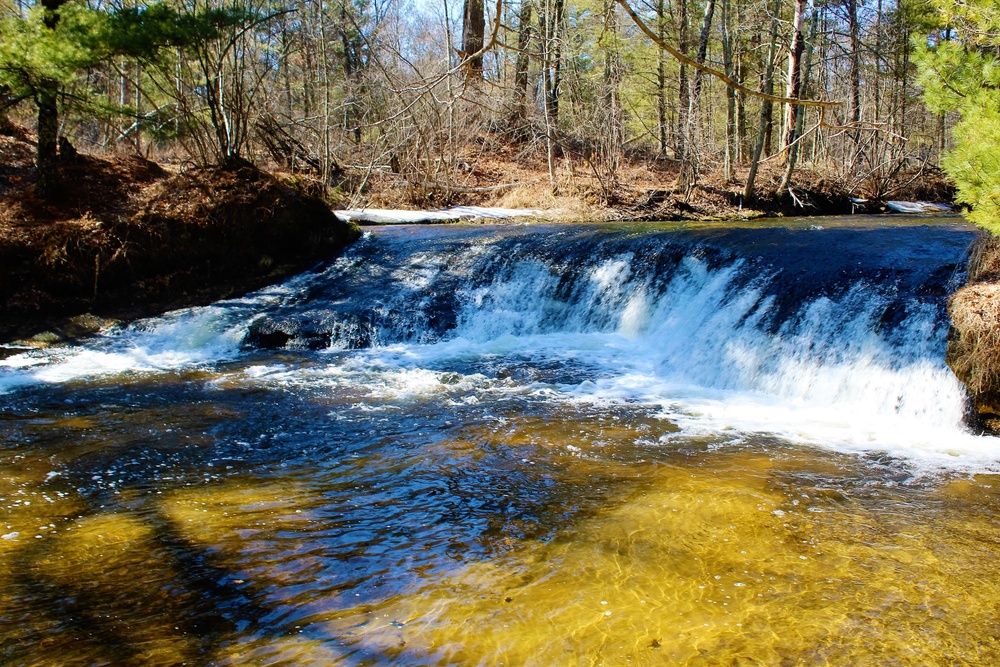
<point x="688" y="465"/>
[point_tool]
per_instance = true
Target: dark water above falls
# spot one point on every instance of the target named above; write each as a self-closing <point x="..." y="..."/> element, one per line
<point x="567" y="445"/>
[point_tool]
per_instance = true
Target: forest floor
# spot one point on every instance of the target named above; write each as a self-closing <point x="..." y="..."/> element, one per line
<point x="129" y="238"/>
<point x="506" y="175"/>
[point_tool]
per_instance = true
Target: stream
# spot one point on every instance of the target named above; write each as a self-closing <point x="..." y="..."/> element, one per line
<point x="646" y="444"/>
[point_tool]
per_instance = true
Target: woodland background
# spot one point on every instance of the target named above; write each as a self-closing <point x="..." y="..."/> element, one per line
<point x="437" y="98"/>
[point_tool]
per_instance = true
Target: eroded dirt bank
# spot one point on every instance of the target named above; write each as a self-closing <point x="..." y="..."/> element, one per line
<point x="128" y="239"/>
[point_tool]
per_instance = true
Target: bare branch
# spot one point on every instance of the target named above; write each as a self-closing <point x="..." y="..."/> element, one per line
<point x="714" y="72"/>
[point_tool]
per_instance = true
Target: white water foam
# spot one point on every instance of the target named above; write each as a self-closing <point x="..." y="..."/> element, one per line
<point x="828" y="377"/>
<point x="180" y="339"/>
<point x="699" y="349"/>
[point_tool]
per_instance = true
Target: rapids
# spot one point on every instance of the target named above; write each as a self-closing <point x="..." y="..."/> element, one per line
<point x="544" y="445"/>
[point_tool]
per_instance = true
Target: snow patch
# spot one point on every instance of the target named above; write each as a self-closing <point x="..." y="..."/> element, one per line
<point x="396" y="216"/>
<point x="919" y="207"/>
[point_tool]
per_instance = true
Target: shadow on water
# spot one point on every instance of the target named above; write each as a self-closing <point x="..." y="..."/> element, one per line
<point x="166" y="599"/>
<point x="120" y="581"/>
<point x="165" y="550"/>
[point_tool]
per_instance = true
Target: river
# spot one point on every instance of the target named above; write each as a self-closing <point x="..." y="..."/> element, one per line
<point x="655" y="444"/>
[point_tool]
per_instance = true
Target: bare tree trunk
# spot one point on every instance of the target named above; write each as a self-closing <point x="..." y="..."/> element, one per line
<point x="286" y="71"/>
<point x="797" y="119"/>
<point x="473" y="36"/>
<point x="683" y="87"/>
<point x="519" y="113"/>
<point x="551" y="27"/>
<point x="124" y="100"/>
<point x="612" y="133"/>
<point x="855" y="69"/>
<point x="741" y="111"/>
<point x="765" y="110"/>
<point x="324" y="81"/>
<point x="661" y="78"/>
<point x="727" y="58"/>
<point x="550" y="20"/>
<point x="793" y="88"/>
<point x="687" y="178"/>
<point x="902" y="129"/>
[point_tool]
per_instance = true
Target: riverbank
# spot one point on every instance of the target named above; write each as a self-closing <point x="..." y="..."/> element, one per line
<point x="128" y="239"/>
<point x="508" y="177"/>
<point x="974" y="343"/>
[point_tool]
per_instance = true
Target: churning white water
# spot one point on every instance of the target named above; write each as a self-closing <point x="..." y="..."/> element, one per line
<point x="830" y="338"/>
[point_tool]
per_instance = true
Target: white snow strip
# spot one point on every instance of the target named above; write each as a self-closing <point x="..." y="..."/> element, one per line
<point x="384" y="216"/>
<point x="918" y="207"/>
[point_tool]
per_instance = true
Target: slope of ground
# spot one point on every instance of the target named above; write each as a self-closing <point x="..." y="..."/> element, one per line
<point x="127" y="239"/>
<point x="505" y="174"/>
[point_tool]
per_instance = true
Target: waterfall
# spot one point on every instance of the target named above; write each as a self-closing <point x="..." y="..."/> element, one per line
<point x="832" y="335"/>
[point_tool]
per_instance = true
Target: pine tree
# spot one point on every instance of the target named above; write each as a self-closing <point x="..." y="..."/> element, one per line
<point x="960" y="71"/>
<point x="42" y="54"/>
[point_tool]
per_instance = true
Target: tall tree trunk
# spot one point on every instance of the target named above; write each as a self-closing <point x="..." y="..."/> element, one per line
<point x="519" y="113"/>
<point x="855" y="69"/>
<point x="612" y="133"/>
<point x="124" y="100"/>
<point x="286" y="52"/>
<point x="767" y="86"/>
<point x="727" y="61"/>
<point x="47" y="159"/>
<point x="688" y="176"/>
<point x="138" y="107"/>
<point x="741" y="110"/>
<point x="47" y="101"/>
<point x="683" y="86"/>
<point x="350" y="43"/>
<point x="473" y="36"/>
<point x="551" y="27"/>
<point x="793" y="88"/>
<point x="661" y="78"/>
<point x="550" y="21"/>
<point x="903" y="30"/>
<point x="797" y="119"/>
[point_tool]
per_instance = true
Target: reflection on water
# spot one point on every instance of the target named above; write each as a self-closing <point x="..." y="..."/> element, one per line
<point x="147" y="529"/>
<point x="655" y="452"/>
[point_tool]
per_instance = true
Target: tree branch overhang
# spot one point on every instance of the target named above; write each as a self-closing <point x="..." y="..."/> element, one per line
<point x="822" y="104"/>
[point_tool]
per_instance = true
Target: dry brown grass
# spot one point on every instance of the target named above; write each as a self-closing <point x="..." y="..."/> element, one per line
<point x="557" y="207"/>
<point x="974" y="344"/>
<point x="984" y="260"/>
<point x="974" y="348"/>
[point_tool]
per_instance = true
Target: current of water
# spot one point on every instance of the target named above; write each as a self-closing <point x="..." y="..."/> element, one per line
<point x="543" y="445"/>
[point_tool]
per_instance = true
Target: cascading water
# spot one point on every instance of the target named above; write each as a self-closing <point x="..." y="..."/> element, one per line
<point x="545" y="445"/>
<point x="829" y="336"/>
